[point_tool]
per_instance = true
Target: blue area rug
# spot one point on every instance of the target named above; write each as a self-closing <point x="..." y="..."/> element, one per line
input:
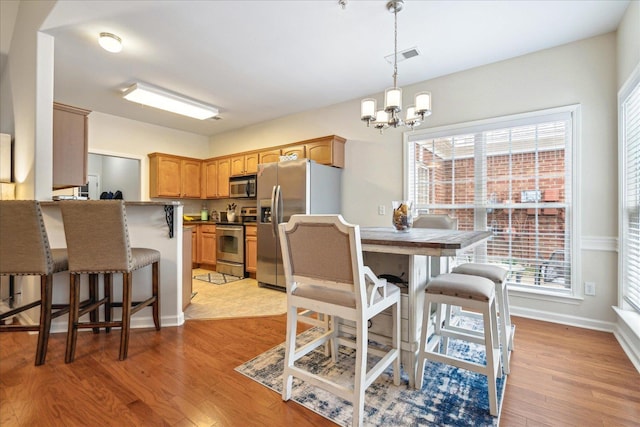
<point x="449" y="396"/>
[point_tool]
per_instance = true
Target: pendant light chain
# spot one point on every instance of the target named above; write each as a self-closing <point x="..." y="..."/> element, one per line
<point x="395" y="46"/>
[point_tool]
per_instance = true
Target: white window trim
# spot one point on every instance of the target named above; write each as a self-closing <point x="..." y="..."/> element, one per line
<point x="623" y="93"/>
<point x="577" y="291"/>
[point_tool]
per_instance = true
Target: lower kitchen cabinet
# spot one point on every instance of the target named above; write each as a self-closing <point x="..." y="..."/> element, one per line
<point x="207" y="244"/>
<point x="187" y="260"/>
<point x="251" y="248"/>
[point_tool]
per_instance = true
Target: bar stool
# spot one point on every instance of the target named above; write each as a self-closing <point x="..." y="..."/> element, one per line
<point x="25" y="251"/>
<point x="98" y="243"/>
<point x="474" y="292"/>
<point x="498" y="276"/>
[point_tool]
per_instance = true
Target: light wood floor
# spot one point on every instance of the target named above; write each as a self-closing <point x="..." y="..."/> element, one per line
<point x="560" y="376"/>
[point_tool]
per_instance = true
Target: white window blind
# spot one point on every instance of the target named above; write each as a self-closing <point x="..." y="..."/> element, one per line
<point x="630" y="195"/>
<point x="510" y="175"/>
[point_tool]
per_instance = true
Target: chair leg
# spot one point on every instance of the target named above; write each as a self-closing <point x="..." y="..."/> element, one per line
<point x="491" y="369"/>
<point x="94" y="296"/>
<point x="422" y="348"/>
<point x="155" y="284"/>
<point x="505" y="327"/>
<point x="289" y="352"/>
<point x="74" y="308"/>
<point x="395" y="316"/>
<point x="46" y="295"/>
<point x="108" y="291"/>
<point x="362" y="340"/>
<point x="126" y="314"/>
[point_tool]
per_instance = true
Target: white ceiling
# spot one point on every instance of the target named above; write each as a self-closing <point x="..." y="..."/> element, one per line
<point x="259" y="60"/>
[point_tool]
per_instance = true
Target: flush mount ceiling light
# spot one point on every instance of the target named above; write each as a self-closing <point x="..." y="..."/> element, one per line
<point x="110" y="42"/>
<point x="389" y="116"/>
<point x="164" y="100"/>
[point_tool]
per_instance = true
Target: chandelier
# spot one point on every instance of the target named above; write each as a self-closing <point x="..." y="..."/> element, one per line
<point x="389" y="116"/>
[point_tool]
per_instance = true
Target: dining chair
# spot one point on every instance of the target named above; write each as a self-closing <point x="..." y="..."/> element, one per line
<point x="478" y="294"/>
<point x="25" y="251"/>
<point x="98" y="243"/>
<point x="324" y="272"/>
<point x="498" y="276"/>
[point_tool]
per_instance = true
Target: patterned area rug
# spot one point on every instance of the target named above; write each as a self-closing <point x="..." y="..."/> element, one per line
<point x="217" y="278"/>
<point x="449" y="396"/>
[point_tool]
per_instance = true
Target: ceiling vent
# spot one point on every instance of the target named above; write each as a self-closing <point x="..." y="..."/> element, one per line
<point x="404" y="54"/>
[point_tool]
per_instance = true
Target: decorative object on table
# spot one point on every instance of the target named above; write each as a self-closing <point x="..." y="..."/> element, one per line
<point x="231" y="212"/>
<point x="204" y="213"/>
<point x="217" y="278"/>
<point x="402" y="218"/>
<point x="389" y="115"/>
<point x="450" y="396"/>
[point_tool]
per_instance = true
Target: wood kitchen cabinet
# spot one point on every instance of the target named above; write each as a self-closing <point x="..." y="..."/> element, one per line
<point x="298" y="150"/>
<point x="269" y="156"/>
<point x="224" y="171"/>
<point x="70" y="146"/>
<point x="174" y="176"/>
<point x="215" y="178"/>
<point x="251" y="248"/>
<point x="328" y="150"/>
<point x="187" y="245"/>
<point x="244" y="164"/>
<point x="207" y="244"/>
<point x="194" y="247"/>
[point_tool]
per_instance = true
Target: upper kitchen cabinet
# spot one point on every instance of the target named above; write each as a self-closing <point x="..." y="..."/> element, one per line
<point x="70" y="148"/>
<point x="174" y="176"/>
<point x="215" y="178"/>
<point x="244" y="164"/>
<point x="328" y="150"/>
<point x="269" y="156"/>
<point x="294" y="150"/>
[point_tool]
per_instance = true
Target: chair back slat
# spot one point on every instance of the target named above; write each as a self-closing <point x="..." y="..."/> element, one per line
<point x="97" y="237"/>
<point x="24" y="246"/>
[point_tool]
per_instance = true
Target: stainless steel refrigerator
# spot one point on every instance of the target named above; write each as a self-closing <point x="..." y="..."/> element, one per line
<point x="284" y="189"/>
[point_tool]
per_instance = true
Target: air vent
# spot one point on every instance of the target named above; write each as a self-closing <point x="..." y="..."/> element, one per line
<point x="215" y="118"/>
<point x="404" y="54"/>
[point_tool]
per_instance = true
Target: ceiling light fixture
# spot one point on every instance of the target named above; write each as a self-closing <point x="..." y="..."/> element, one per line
<point x="389" y="116"/>
<point x="164" y="100"/>
<point x="110" y="42"/>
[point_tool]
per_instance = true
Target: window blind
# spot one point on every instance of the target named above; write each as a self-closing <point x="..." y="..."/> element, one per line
<point x="508" y="175"/>
<point x="630" y="237"/>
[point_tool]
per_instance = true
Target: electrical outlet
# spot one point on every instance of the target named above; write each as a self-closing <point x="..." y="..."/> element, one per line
<point x="589" y="288"/>
<point x="381" y="210"/>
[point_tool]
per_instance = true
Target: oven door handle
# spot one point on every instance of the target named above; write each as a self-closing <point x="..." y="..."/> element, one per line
<point x="228" y="228"/>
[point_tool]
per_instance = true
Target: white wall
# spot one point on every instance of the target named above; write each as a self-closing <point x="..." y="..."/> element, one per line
<point x="629" y="42"/>
<point x="128" y="138"/>
<point x="583" y="72"/>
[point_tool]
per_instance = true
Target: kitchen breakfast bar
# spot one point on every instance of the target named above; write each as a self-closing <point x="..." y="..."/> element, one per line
<point x="156" y="225"/>
<point x="414" y="256"/>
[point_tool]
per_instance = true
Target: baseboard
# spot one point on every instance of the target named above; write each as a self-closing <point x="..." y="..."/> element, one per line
<point x="563" y="319"/>
<point x="136" y="323"/>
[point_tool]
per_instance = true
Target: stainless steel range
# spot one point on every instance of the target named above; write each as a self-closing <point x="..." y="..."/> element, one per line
<point x="230" y="249"/>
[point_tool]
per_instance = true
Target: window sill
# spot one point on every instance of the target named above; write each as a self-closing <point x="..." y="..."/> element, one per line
<point x="545" y="295"/>
<point x="628" y="334"/>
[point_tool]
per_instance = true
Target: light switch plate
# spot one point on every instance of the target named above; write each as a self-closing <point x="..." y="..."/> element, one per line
<point x="589" y="288"/>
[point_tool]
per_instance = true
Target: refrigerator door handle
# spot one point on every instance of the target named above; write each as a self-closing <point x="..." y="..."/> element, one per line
<point x="275" y="199"/>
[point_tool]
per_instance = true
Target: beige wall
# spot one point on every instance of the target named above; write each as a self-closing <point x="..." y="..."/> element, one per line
<point x="629" y="42"/>
<point x="583" y="73"/>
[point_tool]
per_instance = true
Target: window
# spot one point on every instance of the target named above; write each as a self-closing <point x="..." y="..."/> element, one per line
<point x="513" y="176"/>
<point x="629" y="114"/>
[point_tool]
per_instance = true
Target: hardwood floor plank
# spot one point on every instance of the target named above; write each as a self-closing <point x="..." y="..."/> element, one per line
<point x="560" y="376"/>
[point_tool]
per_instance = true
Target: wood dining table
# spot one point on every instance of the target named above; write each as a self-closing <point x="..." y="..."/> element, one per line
<point x="414" y="256"/>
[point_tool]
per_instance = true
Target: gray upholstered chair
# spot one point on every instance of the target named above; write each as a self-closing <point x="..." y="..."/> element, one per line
<point x="98" y="243"/>
<point x="478" y="294"/>
<point x="25" y="251"/>
<point x="440" y="221"/>
<point x="498" y="276"/>
<point x="324" y="272"/>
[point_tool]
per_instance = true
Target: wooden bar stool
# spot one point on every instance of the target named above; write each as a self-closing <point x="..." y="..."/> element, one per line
<point x="498" y="276"/>
<point x="473" y="292"/>
<point x="25" y="251"/>
<point x="98" y="243"/>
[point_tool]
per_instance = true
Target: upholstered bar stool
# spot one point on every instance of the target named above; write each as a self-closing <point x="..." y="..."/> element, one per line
<point x="498" y="276"/>
<point x="473" y="292"/>
<point x="25" y="251"/>
<point x="98" y="243"/>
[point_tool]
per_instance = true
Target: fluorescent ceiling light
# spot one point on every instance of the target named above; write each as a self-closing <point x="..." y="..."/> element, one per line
<point x="110" y="42"/>
<point x="159" y="98"/>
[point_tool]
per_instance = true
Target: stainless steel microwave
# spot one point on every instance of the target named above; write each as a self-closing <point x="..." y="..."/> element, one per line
<point x="242" y="187"/>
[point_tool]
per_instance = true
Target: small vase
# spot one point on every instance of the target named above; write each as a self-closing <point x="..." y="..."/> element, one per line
<point x="231" y="216"/>
<point x="402" y="217"/>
